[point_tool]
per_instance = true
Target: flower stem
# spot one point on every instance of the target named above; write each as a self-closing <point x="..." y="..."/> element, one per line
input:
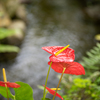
<point x="14" y="98"/>
<point x="5" y="80"/>
<point x="7" y="92"/>
<point x="46" y="81"/>
<point x="59" y="83"/>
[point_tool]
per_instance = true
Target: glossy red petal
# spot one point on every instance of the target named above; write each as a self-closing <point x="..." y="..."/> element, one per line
<point x="51" y="49"/>
<point x="13" y="85"/>
<point x="62" y="58"/>
<point x="2" y="83"/>
<point x="55" y="49"/>
<point x="66" y="56"/>
<point x="73" y="68"/>
<point x="53" y="92"/>
<point x="9" y="84"/>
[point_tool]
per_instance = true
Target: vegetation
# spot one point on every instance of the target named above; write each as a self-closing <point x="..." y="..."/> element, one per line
<point x="3" y="47"/>
<point x="63" y="64"/>
<point x="86" y="87"/>
<point x="25" y="92"/>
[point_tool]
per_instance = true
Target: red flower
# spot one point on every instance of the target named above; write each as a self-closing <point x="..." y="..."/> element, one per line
<point x="53" y="92"/>
<point x="9" y="84"/>
<point x="73" y="68"/>
<point x="66" y="56"/>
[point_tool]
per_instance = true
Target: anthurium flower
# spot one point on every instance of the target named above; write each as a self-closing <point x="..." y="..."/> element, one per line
<point x="51" y="91"/>
<point x="73" y="68"/>
<point x="9" y="84"/>
<point x="65" y="56"/>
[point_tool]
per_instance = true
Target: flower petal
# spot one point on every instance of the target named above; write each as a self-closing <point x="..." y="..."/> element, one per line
<point x="62" y="58"/>
<point x="73" y="68"/>
<point x="53" y="92"/>
<point x="50" y="49"/>
<point x="65" y="56"/>
<point x="9" y="84"/>
<point x="2" y="83"/>
<point x="55" y="49"/>
<point x="13" y="85"/>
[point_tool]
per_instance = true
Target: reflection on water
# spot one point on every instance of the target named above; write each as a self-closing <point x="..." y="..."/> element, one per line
<point x="49" y="23"/>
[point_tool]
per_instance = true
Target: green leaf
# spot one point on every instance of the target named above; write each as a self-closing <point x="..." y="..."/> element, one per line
<point x="24" y="92"/>
<point x="8" y="48"/>
<point x="40" y="87"/>
<point x="6" y="32"/>
<point x="4" y="93"/>
<point x="82" y="83"/>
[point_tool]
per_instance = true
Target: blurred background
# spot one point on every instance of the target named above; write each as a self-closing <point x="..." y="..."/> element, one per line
<point x="28" y="25"/>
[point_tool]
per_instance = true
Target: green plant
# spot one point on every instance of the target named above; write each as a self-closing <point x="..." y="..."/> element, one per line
<point x="4" y="47"/>
<point x="85" y="87"/>
<point x="61" y="61"/>
<point x="92" y="61"/>
<point x="24" y="92"/>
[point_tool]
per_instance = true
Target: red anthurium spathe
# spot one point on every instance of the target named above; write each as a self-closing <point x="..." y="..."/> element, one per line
<point x="65" y="56"/>
<point x="9" y="84"/>
<point x="73" y="68"/>
<point x="62" y="58"/>
<point x="53" y="92"/>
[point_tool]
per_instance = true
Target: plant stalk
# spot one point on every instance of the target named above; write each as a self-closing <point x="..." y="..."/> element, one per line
<point x="46" y="81"/>
<point x="59" y="83"/>
<point x="7" y="92"/>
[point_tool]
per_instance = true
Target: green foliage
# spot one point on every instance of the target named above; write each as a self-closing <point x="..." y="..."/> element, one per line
<point x="82" y="89"/>
<point x="85" y="87"/>
<point x="40" y="87"/>
<point x="82" y="83"/>
<point x="4" y="93"/>
<point x="5" y="33"/>
<point x="7" y="48"/>
<point x="24" y="92"/>
<point x="92" y="62"/>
